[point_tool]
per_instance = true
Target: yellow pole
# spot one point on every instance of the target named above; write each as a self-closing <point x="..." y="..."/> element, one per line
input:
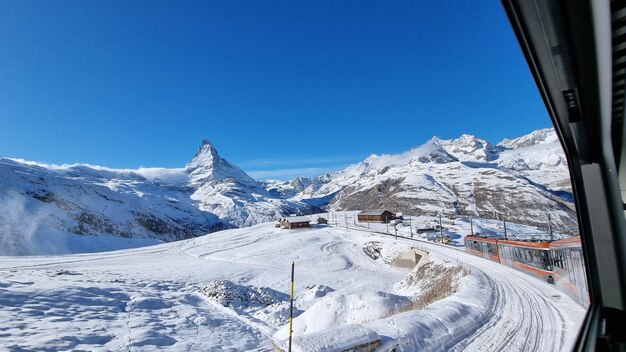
<point x="293" y="264"/>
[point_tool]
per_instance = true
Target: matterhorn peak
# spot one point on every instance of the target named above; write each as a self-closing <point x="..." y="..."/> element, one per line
<point x="208" y="165"/>
<point x="207" y="146"/>
<point x="434" y="140"/>
<point x="205" y="156"/>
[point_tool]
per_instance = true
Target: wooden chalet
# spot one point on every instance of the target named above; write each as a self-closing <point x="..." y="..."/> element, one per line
<point x="294" y="222"/>
<point x="379" y="215"/>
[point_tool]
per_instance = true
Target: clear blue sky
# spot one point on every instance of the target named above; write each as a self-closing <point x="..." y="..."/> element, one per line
<point x="294" y="86"/>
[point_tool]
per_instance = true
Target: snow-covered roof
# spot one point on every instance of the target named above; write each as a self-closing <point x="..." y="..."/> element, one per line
<point x="293" y="219"/>
<point x="373" y="212"/>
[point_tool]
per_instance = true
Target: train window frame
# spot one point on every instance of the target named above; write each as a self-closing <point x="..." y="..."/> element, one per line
<point x="583" y="92"/>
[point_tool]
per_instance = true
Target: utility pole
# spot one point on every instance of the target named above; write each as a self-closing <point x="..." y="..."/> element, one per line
<point x="387" y="223"/>
<point x="504" y="221"/>
<point x="471" y="226"/>
<point x="550" y="228"/>
<point x="293" y="266"/>
<point x="410" y="227"/>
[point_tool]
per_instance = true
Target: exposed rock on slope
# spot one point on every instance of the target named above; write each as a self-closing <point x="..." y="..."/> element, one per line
<point x="522" y="180"/>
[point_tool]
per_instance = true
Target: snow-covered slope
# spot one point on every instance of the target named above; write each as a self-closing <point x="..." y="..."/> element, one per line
<point x="542" y="136"/>
<point x="539" y="157"/>
<point x="522" y="180"/>
<point x="230" y="291"/>
<point x="44" y="209"/>
<point x="469" y="148"/>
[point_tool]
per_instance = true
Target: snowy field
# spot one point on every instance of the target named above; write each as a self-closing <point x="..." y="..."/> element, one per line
<point x="229" y="291"/>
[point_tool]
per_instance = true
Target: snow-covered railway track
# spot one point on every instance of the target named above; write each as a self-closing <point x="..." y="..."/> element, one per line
<point x="527" y="314"/>
<point x="521" y="320"/>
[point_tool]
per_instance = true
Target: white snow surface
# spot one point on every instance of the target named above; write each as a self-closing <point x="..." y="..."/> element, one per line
<point x="229" y="291"/>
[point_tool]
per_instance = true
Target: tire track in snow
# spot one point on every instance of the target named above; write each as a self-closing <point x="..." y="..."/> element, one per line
<point x="334" y="248"/>
<point x="353" y="252"/>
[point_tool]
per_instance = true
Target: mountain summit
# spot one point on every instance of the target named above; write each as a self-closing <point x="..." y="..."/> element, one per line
<point x="207" y="165"/>
<point x="542" y="136"/>
<point x="468" y="148"/>
<point x="225" y="190"/>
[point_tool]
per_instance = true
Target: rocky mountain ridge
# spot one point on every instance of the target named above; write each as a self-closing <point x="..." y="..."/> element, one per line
<point x="522" y="180"/>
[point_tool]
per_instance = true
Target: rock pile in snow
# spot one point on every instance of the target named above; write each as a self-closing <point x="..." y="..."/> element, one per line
<point x="372" y="249"/>
<point x="230" y="294"/>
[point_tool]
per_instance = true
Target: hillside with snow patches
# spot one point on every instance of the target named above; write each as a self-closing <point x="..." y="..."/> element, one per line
<point x="86" y="208"/>
<point x="521" y="180"/>
<point x="55" y="209"/>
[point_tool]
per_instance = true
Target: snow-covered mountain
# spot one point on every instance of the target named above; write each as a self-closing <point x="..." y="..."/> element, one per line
<point x="50" y="208"/>
<point x="469" y="148"/>
<point x="542" y="136"/>
<point x="228" y="192"/>
<point x="43" y="207"/>
<point x="522" y="180"/>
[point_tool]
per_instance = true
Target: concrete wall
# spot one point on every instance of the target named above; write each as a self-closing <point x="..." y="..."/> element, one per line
<point x="409" y="259"/>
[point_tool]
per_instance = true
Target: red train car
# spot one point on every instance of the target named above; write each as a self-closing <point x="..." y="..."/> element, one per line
<point x="559" y="262"/>
<point x="482" y="247"/>
<point x="530" y="257"/>
<point x="569" y="269"/>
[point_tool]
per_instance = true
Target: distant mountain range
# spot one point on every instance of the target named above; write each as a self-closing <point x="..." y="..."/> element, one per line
<point x="522" y="179"/>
